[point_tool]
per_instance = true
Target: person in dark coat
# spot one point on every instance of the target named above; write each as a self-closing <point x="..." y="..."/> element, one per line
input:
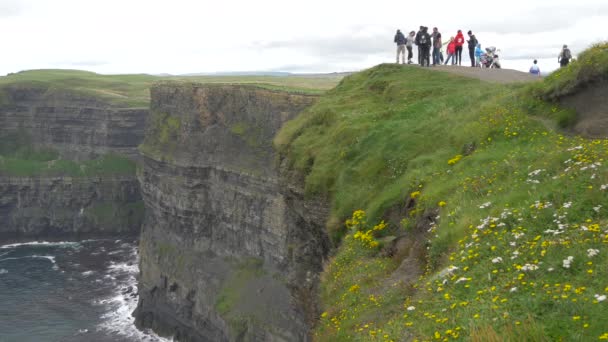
<point x="472" y="45"/>
<point x="400" y="41"/>
<point x="425" y="47"/>
<point x="417" y="42"/>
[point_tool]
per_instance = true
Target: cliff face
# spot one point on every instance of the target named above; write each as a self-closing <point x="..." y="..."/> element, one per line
<point x="78" y="126"/>
<point x="35" y="205"/>
<point x="228" y="252"/>
<point x="43" y="207"/>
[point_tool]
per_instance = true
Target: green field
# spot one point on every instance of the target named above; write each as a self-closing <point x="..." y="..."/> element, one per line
<point x="133" y="90"/>
<point x="511" y="214"/>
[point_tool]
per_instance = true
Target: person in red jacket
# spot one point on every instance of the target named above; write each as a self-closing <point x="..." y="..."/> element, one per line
<point x="459" y="43"/>
<point x="451" y="51"/>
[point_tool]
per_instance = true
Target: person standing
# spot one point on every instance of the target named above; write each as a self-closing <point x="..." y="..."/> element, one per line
<point x="417" y="42"/>
<point x="534" y="69"/>
<point x="451" y="51"/>
<point x="436" y="46"/>
<point x="400" y="41"/>
<point x="459" y="41"/>
<point x="409" y="44"/>
<point x="564" y="56"/>
<point x="425" y="47"/>
<point x="472" y="44"/>
<point x="478" y="53"/>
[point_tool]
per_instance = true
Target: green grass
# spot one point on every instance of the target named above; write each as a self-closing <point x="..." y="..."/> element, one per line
<point x="590" y="67"/>
<point x="503" y="183"/>
<point x="133" y="90"/>
<point x="110" y="164"/>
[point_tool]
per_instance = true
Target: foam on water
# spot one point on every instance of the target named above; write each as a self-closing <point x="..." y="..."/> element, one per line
<point x="47" y="257"/>
<point x="44" y="243"/>
<point x="122" y="303"/>
<point x="3" y="271"/>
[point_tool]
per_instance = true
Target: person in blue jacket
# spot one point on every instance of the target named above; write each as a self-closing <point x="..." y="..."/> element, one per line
<point x="478" y="53"/>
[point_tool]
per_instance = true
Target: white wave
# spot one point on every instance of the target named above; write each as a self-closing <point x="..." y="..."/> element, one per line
<point x="118" y="319"/>
<point x="87" y="273"/>
<point x="43" y="243"/>
<point x="48" y="257"/>
<point x="3" y="271"/>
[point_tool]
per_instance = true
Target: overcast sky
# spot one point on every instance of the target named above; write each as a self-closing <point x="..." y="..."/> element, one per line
<point x="183" y="36"/>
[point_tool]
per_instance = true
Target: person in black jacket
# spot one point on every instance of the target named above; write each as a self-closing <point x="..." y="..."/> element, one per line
<point x="400" y="41"/>
<point x="417" y="42"/>
<point x="425" y="47"/>
<point x="472" y="44"/>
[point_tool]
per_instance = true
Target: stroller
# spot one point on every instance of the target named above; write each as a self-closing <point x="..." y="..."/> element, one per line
<point x="490" y="59"/>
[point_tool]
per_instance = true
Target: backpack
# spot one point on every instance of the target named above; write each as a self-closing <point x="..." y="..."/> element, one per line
<point x="423" y="39"/>
<point x="567" y="54"/>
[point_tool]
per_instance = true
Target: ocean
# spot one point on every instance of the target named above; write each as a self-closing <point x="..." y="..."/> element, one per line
<point x="69" y="291"/>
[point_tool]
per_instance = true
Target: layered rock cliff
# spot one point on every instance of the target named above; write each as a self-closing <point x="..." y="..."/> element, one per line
<point x="229" y="250"/>
<point x="78" y="125"/>
<point x="69" y="207"/>
<point x="44" y="199"/>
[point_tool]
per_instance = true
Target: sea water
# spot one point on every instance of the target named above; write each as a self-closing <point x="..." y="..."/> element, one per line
<point x="69" y="291"/>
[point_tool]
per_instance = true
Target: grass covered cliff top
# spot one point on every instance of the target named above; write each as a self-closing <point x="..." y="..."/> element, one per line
<point x="133" y="90"/>
<point x="508" y="215"/>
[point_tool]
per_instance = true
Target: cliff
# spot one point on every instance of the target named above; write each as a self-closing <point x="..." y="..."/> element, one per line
<point x="64" y="162"/>
<point x="59" y="207"/>
<point x="228" y="251"/>
<point x="78" y="125"/>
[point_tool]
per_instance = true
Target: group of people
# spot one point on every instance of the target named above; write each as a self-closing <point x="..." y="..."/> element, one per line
<point x="430" y="45"/>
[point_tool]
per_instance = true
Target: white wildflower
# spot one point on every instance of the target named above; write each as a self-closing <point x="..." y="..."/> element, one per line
<point x="567" y="204"/>
<point x="460" y="280"/>
<point x="513" y="289"/>
<point x="600" y="298"/>
<point x="592" y="252"/>
<point x="496" y="260"/>
<point x="529" y="267"/>
<point x="597" y="209"/>
<point x="411" y="308"/>
<point x="566" y="262"/>
<point x="604" y="187"/>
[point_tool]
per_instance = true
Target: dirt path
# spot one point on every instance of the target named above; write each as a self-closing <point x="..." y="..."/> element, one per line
<point x="489" y="75"/>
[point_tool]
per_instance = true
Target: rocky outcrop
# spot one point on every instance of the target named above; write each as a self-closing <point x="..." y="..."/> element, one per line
<point x="228" y="252"/>
<point x="79" y="126"/>
<point x="56" y="207"/>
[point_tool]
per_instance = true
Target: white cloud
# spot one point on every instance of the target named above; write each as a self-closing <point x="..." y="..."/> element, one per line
<point x="182" y="36"/>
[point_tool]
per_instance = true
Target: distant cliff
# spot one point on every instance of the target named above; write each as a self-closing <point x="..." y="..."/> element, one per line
<point x="64" y="170"/>
<point x="77" y="125"/>
<point x="230" y="251"/>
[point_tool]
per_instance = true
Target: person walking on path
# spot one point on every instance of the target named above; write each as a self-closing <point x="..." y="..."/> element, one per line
<point x="400" y="41"/>
<point x="459" y="41"/>
<point x="534" y="69"/>
<point x="425" y="47"/>
<point x="451" y="51"/>
<point x="564" y="56"/>
<point x="478" y="53"/>
<point x="436" y="46"/>
<point x="472" y="44"/>
<point x="409" y="43"/>
<point x="417" y="42"/>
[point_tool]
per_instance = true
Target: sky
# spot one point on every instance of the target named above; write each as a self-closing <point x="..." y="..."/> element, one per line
<point x="312" y="36"/>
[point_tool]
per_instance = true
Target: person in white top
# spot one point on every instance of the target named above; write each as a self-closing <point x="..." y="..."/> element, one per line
<point x="534" y="69"/>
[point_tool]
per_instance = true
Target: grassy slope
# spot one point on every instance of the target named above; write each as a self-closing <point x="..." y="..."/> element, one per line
<point x="132" y="90"/>
<point x="526" y="194"/>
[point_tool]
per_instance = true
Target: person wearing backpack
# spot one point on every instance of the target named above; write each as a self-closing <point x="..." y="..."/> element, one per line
<point x="534" y="69"/>
<point x="459" y="42"/>
<point x="564" y="57"/>
<point x="400" y="41"/>
<point x="417" y="42"/>
<point x="436" y="46"/>
<point x="409" y="43"/>
<point x="425" y="47"/>
<point x="472" y="44"/>
<point x="451" y="51"/>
